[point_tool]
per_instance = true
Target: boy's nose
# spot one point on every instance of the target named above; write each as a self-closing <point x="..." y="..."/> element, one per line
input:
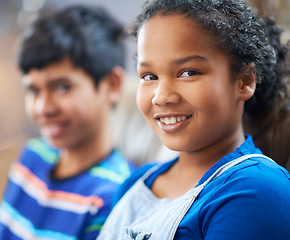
<point x="45" y="106"/>
<point x="165" y="93"/>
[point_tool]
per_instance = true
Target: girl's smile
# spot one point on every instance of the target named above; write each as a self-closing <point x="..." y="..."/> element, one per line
<point x="186" y="92"/>
<point x="172" y="123"/>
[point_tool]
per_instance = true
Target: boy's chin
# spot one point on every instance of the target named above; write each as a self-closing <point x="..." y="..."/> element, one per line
<point x="57" y="143"/>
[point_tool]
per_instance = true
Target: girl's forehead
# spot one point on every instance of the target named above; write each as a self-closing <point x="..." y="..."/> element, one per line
<point x="170" y="21"/>
<point x="174" y="28"/>
<point x="167" y="18"/>
<point x="174" y="38"/>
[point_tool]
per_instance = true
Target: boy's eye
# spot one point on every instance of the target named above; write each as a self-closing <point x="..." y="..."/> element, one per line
<point x="189" y="73"/>
<point x="32" y="91"/>
<point x="62" y="88"/>
<point x="149" y="77"/>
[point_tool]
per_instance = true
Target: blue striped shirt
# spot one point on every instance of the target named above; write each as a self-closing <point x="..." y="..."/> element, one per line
<point x="37" y="206"/>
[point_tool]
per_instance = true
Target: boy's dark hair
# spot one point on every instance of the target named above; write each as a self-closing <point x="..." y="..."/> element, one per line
<point x="89" y="36"/>
<point x="239" y="33"/>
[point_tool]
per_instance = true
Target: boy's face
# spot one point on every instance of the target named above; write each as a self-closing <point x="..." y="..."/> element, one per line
<point x="185" y="91"/>
<point x="64" y="104"/>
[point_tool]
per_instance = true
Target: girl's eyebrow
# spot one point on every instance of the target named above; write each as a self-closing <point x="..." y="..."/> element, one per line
<point x="190" y="58"/>
<point x="143" y="64"/>
<point x="179" y="61"/>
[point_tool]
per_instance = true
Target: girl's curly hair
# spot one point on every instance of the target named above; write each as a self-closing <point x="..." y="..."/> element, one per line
<point x="240" y="33"/>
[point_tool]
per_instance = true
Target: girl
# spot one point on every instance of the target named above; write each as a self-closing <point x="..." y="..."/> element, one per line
<point x="199" y="61"/>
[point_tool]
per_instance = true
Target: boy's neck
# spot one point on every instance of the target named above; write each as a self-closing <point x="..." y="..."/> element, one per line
<point x="76" y="160"/>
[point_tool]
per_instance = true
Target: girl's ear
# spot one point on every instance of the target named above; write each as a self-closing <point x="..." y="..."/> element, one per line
<point x="247" y="82"/>
<point x="115" y="82"/>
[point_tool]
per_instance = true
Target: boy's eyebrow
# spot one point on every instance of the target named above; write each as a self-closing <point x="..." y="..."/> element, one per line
<point x="27" y="82"/>
<point x="58" y="81"/>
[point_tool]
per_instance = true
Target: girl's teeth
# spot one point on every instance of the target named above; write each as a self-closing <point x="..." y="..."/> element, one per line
<point x="167" y="120"/>
<point x="173" y="120"/>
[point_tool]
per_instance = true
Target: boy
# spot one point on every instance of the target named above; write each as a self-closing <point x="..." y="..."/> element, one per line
<point x="62" y="185"/>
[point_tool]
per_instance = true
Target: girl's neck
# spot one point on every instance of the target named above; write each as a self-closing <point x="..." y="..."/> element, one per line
<point x="205" y="158"/>
<point x="190" y="167"/>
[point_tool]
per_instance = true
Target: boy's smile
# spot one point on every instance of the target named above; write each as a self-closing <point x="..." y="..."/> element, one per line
<point x="186" y="92"/>
<point x="64" y="104"/>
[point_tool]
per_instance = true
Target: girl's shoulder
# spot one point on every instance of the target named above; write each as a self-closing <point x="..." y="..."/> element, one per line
<point x="129" y="182"/>
<point x="152" y="171"/>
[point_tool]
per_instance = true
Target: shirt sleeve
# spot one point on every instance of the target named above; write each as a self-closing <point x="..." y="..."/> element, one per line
<point x="248" y="208"/>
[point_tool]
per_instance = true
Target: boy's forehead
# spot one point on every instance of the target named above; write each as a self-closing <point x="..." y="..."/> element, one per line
<point x="36" y="76"/>
<point x="57" y="70"/>
<point x="61" y="72"/>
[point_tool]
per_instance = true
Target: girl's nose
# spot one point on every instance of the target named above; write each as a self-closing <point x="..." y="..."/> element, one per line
<point x="165" y="93"/>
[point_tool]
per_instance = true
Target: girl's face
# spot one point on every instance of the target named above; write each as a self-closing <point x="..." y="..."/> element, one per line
<point x="185" y="90"/>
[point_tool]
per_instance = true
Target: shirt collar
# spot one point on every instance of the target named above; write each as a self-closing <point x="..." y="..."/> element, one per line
<point x="247" y="147"/>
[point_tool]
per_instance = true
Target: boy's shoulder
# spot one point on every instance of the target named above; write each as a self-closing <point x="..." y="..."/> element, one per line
<point x="114" y="169"/>
<point x="40" y="149"/>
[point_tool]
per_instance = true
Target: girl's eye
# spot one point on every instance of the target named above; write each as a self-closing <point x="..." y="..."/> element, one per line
<point x="149" y="77"/>
<point x="189" y="73"/>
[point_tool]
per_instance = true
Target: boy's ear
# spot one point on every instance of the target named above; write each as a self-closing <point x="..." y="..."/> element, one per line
<point x="115" y="82"/>
<point x="247" y="82"/>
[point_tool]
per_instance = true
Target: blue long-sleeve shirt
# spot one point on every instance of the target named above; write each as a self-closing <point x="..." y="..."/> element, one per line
<point x="250" y="201"/>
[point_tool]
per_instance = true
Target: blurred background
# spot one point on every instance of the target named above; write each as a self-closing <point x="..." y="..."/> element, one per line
<point x="131" y="134"/>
